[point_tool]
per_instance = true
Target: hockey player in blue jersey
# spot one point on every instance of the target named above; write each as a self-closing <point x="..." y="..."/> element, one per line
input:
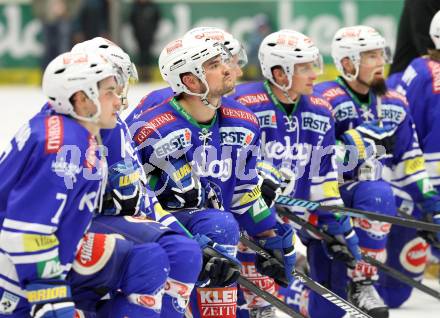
<point x="420" y="84"/>
<point x="127" y="199"/>
<point x="365" y="112"/>
<point x="238" y="61"/>
<point x="200" y="151"/>
<point x="54" y="178"/>
<point x="296" y="125"/>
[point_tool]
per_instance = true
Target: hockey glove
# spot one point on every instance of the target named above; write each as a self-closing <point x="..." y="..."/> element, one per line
<point x="431" y="213"/>
<point x="283" y="250"/>
<point x="124" y="189"/>
<point x="382" y="135"/>
<point x="271" y="186"/>
<point x="50" y="299"/>
<point x="219" y="268"/>
<point x="178" y="187"/>
<point x="345" y="247"/>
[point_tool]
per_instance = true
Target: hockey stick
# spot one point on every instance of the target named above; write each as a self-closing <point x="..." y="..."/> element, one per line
<point x="312" y="206"/>
<point x="316" y="287"/>
<point x="381" y="266"/>
<point x="273" y="300"/>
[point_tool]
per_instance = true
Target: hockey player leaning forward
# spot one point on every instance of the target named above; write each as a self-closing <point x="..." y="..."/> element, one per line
<point x="53" y="183"/>
<point x="296" y="126"/>
<point x="420" y="84"/>
<point x="127" y="195"/>
<point x="366" y="113"/>
<point x="200" y="150"/>
<point x="237" y="62"/>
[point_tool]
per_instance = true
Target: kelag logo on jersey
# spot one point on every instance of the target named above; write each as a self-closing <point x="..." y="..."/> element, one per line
<point x="314" y="122"/>
<point x="235" y="136"/>
<point x="177" y="140"/>
<point x="345" y="110"/>
<point x="267" y="119"/>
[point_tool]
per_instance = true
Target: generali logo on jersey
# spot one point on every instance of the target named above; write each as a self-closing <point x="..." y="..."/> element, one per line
<point x="54" y="134"/>
<point x="152" y="125"/>
<point x="332" y="93"/>
<point x="253" y="99"/>
<point x="240" y="114"/>
<point x="217" y="302"/>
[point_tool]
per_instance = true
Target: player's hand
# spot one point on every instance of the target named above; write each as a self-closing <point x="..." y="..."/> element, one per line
<point x="431" y="213"/>
<point x="219" y="268"/>
<point x="271" y="184"/>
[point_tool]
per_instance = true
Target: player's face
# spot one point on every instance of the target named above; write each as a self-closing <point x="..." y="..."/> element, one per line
<point x="304" y="76"/>
<point x="219" y="77"/>
<point x="372" y="66"/>
<point x="236" y="70"/>
<point x="110" y="99"/>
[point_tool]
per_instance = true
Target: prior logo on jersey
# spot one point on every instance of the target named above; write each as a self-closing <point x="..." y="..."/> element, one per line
<point x="176" y="140"/>
<point x="54" y="134"/>
<point x="235" y="136"/>
<point x="314" y="122"/>
<point x="267" y="119"/>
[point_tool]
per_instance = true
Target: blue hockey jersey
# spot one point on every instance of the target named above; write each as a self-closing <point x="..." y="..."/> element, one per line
<point x="303" y="141"/>
<point x="421" y="85"/>
<point x="222" y="154"/>
<point x="51" y="185"/>
<point x="151" y="99"/>
<point x="406" y="167"/>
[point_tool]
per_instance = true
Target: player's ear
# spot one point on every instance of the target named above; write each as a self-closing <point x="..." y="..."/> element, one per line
<point x="279" y="75"/>
<point x="348" y="65"/>
<point x="79" y="102"/>
<point x="191" y="82"/>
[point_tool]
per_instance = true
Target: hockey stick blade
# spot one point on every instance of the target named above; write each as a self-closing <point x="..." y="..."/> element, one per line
<point x="312" y="206"/>
<point x="273" y="300"/>
<point x="316" y="287"/>
<point x="381" y="266"/>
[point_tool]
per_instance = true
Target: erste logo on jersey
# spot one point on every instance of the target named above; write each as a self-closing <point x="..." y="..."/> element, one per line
<point x="238" y="113"/>
<point x="236" y="136"/>
<point x="152" y="125"/>
<point x="314" y="122"/>
<point x="253" y="99"/>
<point x="345" y="110"/>
<point x="267" y="119"/>
<point x="176" y="140"/>
<point x="434" y="67"/>
<point x="54" y="134"/>
<point x="393" y="113"/>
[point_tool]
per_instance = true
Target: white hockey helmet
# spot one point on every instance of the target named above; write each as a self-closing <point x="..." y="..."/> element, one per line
<point x="434" y="30"/>
<point x="232" y="44"/>
<point x="285" y="48"/>
<point x="71" y="72"/>
<point x="180" y="57"/>
<point x="351" y="41"/>
<point x="112" y="52"/>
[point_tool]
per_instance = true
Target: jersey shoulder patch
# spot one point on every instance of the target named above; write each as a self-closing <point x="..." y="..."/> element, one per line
<point x="54" y="133"/>
<point x="237" y="111"/>
<point x="396" y="95"/>
<point x="156" y="122"/>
